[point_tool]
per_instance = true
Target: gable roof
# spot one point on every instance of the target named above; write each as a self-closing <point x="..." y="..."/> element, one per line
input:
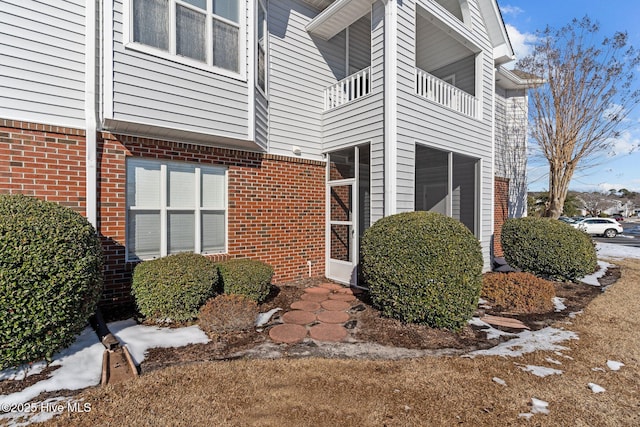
<point x="516" y="79"/>
<point x="502" y="49"/>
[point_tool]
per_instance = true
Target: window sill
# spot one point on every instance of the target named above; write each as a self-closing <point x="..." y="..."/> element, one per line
<point x="182" y="60"/>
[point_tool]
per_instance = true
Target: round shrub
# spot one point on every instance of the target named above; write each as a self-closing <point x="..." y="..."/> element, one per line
<point x="518" y="292"/>
<point x="173" y="288"/>
<point x="228" y="313"/>
<point x="548" y="247"/>
<point x="423" y="267"/>
<point x="50" y="277"/>
<point x="248" y="277"/>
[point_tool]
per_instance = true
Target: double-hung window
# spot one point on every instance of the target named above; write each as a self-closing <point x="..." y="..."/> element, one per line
<point x="174" y="207"/>
<point x="206" y="31"/>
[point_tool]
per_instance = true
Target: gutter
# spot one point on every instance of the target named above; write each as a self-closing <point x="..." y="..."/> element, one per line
<point x="390" y="107"/>
<point x="90" y="112"/>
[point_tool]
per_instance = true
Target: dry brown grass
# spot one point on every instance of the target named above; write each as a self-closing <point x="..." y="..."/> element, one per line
<point x="434" y="391"/>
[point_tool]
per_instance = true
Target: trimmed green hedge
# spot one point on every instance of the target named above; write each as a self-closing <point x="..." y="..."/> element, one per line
<point x="173" y="288"/>
<point x="50" y="278"/>
<point x="423" y="267"/>
<point x="548" y="247"/>
<point x="248" y="277"/>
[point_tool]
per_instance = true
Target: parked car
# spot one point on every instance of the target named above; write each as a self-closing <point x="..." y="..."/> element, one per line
<point x="618" y="218"/>
<point x="606" y="227"/>
<point x="567" y="219"/>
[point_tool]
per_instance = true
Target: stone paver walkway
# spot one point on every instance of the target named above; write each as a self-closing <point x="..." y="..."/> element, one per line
<point x="320" y="314"/>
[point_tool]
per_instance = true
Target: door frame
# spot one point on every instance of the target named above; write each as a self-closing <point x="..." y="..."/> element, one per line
<point x="347" y="270"/>
<point x="340" y="270"/>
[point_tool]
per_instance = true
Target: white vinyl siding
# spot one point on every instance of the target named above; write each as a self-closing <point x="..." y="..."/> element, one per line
<point x="300" y="67"/>
<point x="429" y="124"/>
<point x="158" y="95"/>
<point x="42" y="67"/>
<point x="174" y="207"/>
<point x="511" y="145"/>
<point x="362" y="121"/>
<point x="360" y="44"/>
<point x="262" y="119"/>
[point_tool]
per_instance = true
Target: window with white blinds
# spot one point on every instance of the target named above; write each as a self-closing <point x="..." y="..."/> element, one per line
<point x="174" y="207"/>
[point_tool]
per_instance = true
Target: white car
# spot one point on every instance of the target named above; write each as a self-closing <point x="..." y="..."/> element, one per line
<point x="606" y="227"/>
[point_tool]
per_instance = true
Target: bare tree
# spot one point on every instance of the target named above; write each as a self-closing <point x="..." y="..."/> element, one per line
<point x="583" y="106"/>
<point x="594" y="203"/>
<point x="511" y="152"/>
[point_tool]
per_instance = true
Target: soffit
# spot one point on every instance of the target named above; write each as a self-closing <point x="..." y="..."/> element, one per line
<point x="338" y="16"/>
<point x="318" y="4"/>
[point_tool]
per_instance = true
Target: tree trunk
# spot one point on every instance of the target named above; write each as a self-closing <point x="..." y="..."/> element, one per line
<point x="559" y="178"/>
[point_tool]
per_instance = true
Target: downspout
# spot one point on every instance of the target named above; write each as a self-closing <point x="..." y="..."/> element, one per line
<point x="90" y="112"/>
<point x="493" y="172"/>
<point x="390" y="107"/>
<point x="251" y="71"/>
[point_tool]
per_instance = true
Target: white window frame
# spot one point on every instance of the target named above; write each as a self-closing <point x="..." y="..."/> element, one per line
<point x="129" y="43"/>
<point x="262" y="4"/>
<point x="164" y="208"/>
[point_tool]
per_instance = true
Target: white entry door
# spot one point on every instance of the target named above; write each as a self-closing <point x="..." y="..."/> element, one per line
<point x="342" y="244"/>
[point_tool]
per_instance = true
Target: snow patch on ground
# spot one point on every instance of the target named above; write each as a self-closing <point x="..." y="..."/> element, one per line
<point x="541" y="371"/>
<point x="558" y="304"/>
<point x="22" y="372"/>
<point x="613" y="251"/>
<point x="614" y="366"/>
<point x="592" y="279"/>
<point x="80" y="367"/>
<point x="492" y="333"/>
<point x="537" y="407"/>
<point x="554" y="361"/>
<point x="596" y="388"/>
<point x="263" y="318"/>
<point x="499" y="381"/>
<point x="140" y="338"/>
<point x="547" y="339"/>
<point x="81" y="363"/>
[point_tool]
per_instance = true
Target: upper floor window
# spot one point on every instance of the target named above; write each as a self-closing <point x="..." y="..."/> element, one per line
<point x="261" y="48"/>
<point x="206" y="31"/>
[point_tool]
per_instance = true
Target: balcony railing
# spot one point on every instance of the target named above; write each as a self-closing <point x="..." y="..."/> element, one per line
<point x="436" y="90"/>
<point x="348" y="89"/>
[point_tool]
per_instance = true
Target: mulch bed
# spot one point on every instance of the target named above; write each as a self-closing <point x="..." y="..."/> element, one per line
<point x="370" y="327"/>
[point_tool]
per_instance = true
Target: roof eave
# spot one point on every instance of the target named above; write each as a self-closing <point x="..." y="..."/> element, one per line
<point x="338" y="16"/>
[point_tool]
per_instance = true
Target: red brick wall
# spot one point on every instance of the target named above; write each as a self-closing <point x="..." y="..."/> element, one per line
<point x="43" y="161"/>
<point x="276" y="206"/>
<point x="500" y="212"/>
<point x="276" y="203"/>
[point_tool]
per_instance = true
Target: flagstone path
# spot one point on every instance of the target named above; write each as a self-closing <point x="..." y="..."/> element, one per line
<point x="321" y="314"/>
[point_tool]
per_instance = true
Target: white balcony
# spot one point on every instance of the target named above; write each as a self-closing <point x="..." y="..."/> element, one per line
<point x="348" y="89"/>
<point x="445" y="94"/>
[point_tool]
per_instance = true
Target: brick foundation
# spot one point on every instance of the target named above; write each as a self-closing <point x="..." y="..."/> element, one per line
<point x="276" y="209"/>
<point x="500" y="212"/>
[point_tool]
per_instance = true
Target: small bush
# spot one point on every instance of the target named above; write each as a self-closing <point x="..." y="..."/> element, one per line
<point x="228" y="313"/>
<point x="548" y="247"/>
<point x="423" y="267"/>
<point x="50" y="278"/>
<point x="247" y="277"/>
<point x="173" y="288"/>
<point x="518" y="292"/>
